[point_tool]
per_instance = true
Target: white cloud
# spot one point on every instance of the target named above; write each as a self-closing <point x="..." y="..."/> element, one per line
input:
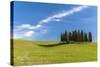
<point x="24" y="26"/>
<point x="28" y="26"/>
<point x="56" y="17"/>
<point x="29" y="33"/>
<point x="70" y="12"/>
<point x="63" y="14"/>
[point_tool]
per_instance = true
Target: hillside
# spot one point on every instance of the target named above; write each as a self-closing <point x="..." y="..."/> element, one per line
<point x="33" y="52"/>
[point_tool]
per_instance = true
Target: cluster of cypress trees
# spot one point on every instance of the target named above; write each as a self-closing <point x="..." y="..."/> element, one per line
<point x="76" y="36"/>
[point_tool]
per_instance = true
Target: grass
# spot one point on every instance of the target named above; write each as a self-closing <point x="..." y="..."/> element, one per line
<point x="31" y="52"/>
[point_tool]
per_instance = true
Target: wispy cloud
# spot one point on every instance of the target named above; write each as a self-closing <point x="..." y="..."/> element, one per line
<point x="56" y="17"/>
<point x="29" y="33"/>
<point x="62" y="14"/>
<point x="28" y="26"/>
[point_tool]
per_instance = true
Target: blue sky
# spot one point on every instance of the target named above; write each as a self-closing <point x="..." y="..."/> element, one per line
<point x="44" y="21"/>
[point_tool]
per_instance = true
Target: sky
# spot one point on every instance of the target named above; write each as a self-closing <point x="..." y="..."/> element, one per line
<point x="45" y="21"/>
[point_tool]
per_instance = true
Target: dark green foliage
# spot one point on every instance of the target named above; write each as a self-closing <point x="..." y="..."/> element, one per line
<point x="70" y="36"/>
<point x="82" y="36"/>
<point x="76" y="36"/>
<point x="66" y="37"/>
<point x="85" y="37"/>
<point x="61" y="36"/>
<point x="90" y="36"/>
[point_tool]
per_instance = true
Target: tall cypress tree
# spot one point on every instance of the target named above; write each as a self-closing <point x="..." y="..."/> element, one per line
<point x="78" y="36"/>
<point x="61" y="38"/>
<point x="85" y="37"/>
<point x="70" y="36"/>
<point x="66" y="37"/>
<point x="82" y="36"/>
<point x="75" y="35"/>
<point x="90" y="36"/>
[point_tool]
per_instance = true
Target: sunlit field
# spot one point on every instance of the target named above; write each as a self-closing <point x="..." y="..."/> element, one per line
<point x="48" y="52"/>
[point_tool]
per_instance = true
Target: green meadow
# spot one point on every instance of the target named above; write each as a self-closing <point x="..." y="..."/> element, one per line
<point x="49" y="52"/>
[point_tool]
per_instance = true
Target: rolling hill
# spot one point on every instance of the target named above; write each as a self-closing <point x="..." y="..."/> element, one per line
<point x="38" y="52"/>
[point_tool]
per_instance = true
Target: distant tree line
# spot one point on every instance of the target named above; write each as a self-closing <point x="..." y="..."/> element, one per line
<point x="76" y="36"/>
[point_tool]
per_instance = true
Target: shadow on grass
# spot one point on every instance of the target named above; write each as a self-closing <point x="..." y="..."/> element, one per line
<point x="57" y="44"/>
<point x="52" y="45"/>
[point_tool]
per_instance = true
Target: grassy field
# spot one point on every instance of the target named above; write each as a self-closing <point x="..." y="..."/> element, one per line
<point x="38" y="52"/>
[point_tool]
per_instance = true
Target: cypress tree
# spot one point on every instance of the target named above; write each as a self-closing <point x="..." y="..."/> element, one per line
<point x="66" y="37"/>
<point x="78" y="36"/>
<point x="82" y="36"/>
<point x="85" y="37"/>
<point x="90" y="36"/>
<point x="70" y="36"/>
<point x="75" y="35"/>
<point x="61" y="37"/>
